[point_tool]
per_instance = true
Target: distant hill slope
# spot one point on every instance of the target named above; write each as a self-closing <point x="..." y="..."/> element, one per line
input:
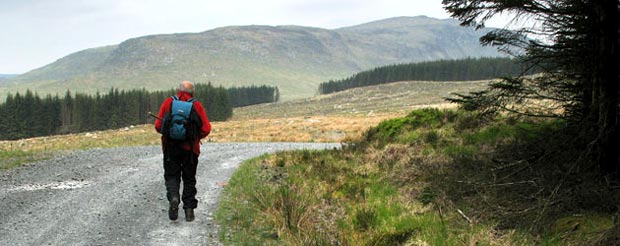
<point x="294" y="58"/>
<point x="6" y="77"/>
<point x="394" y="98"/>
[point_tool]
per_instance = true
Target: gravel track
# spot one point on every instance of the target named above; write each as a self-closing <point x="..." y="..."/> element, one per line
<point x="116" y="196"/>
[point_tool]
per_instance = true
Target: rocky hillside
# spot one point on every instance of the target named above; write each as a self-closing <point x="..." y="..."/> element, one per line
<point x="294" y="58"/>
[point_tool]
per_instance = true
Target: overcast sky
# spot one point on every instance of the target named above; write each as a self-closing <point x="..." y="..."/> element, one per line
<point x="34" y="33"/>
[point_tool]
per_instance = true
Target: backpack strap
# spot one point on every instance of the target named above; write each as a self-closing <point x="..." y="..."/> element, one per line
<point x="175" y="98"/>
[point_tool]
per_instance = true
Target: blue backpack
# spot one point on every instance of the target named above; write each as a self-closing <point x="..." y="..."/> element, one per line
<point x="180" y="119"/>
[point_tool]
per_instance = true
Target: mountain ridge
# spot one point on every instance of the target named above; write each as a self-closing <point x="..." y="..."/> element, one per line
<point x="294" y="58"/>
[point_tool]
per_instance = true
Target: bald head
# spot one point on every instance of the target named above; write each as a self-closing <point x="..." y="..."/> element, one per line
<point x="187" y="86"/>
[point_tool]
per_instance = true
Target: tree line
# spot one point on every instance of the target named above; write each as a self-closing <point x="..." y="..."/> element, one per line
<point x="29" y="115"/>
<point x="443" y="70"/>
<point x="245" y="96"/>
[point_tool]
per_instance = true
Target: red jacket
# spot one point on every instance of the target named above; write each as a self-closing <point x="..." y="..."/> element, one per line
<point x="206" y="125"/>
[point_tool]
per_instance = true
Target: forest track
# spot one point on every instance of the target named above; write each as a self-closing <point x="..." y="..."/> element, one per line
<point x="116" y="196"/>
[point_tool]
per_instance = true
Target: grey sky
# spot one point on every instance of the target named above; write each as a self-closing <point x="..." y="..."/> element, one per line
<point x="34" y="33"/>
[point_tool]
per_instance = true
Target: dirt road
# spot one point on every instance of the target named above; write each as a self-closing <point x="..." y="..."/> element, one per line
<point x="115" y="197"/>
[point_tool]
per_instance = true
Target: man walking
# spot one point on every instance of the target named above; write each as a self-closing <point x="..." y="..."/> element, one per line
<point x="182" y="122"/>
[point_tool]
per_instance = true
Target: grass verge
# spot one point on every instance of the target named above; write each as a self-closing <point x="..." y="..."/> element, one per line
<point x="335" y="198"/>
<point x="10" y="159"/>
<point x="18" y="152"/>
<point x="423" y="179"/>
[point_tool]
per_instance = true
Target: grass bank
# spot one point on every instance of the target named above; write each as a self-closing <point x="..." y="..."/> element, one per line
<point x="431" y="178"/>
<point x="14" y="158"/>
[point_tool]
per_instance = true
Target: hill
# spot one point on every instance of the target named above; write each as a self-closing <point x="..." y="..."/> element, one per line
<point x="294" y="58"/>
<point x="8" y="75"/>
<point x="385" y="99"/>
<point x="5" y="77"/>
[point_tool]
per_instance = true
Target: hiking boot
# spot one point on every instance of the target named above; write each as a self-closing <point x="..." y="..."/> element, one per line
<point x="189" y="214"/>
<point x="173" y="211"/>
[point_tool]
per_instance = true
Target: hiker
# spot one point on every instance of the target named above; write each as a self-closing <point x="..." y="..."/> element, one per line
<point x="181" y="132"/>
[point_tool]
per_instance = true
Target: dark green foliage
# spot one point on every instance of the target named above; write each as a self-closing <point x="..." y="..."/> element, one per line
<point x="399" y="237"/>
<point x="521" y="175"/>
<point x="245" y="96"/>
<point x="444" y="70"/>
<point x="387" y="130"/>
<point x="28" y="115"/>
<point x="431" y="137"/>
<point x="518" y="132"/>
<point x="426" y="196"/>
<point x="576" y="46"/>
<point x="365" y="218"/>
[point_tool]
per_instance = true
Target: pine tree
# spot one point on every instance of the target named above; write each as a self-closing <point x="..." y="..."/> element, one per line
<point x="579" y="55"/>
<point x="117" y="108"/>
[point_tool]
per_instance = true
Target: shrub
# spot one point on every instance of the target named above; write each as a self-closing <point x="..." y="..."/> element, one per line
<point x="426" y="117"/>
<point x="291" y="204"/>
<point x="431" y="137"/>
<point x="389" y="130"/>
<point x="426" y="196"/>
<point x="364" y="218"/>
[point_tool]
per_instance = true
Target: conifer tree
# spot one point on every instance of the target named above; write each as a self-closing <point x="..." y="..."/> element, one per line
<point x="576" y="44"/>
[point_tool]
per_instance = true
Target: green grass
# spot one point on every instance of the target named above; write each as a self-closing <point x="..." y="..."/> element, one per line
<point x="519" y="131"/>
<point x="391" y="130"/>
<point x="579" y="229"/>
<point x="401" y="185"/>
<point x="14" y="158"/>
<point x="336" y="196"/>
<point x="241" y="212"/>
<point x="270" y="203"/>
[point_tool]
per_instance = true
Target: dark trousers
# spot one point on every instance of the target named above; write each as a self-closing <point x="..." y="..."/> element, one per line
<point x="180" y="164"/>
